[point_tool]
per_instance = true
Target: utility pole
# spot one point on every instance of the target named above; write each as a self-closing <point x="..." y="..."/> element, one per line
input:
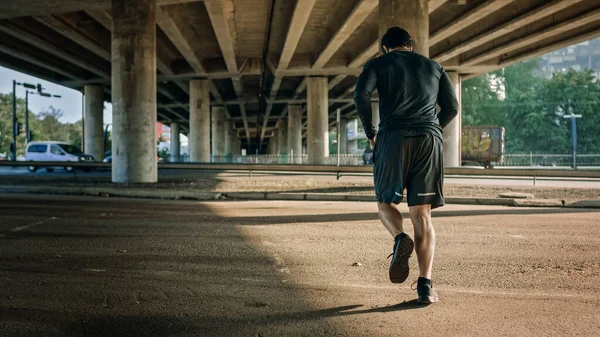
<point x="573" y="118"/>
<point x="27" y="92"/>
<point x="14" y="122"/>
<point x="27" y="140"/>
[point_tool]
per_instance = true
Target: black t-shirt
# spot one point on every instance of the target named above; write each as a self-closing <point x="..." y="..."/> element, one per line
<point x="409" y="85"/>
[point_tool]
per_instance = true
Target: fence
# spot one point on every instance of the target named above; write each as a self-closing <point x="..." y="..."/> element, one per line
<point x="519" y="160"/>
<point x="345" y="160"/>
<point x="549" y="160"/>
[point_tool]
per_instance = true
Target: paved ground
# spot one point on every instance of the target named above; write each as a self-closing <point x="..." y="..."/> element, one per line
<point x="123" y="267"/>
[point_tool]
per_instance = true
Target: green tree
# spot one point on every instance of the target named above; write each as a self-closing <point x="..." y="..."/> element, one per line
<point x="6" y="123"/>
<point x="480" y="102"/>
<point x="575" y="92"/>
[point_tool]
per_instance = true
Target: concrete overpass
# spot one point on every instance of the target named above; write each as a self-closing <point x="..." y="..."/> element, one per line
<point x="176" y="60"/>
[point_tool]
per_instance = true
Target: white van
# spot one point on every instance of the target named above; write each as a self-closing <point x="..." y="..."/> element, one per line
<point x="54" y="151"/>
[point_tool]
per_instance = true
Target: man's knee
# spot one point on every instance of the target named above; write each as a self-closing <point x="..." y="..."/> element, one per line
<point x="421" y="216"/>
<point x="386" y="209"/>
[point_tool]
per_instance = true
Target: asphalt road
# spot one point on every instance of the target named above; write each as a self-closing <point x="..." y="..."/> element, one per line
<point x="75" y="266"/>
<point x="188" y="174"/>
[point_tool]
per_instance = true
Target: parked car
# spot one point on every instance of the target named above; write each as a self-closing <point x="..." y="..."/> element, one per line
<point x="108" y="157"/>
<point x="54" y="151"/>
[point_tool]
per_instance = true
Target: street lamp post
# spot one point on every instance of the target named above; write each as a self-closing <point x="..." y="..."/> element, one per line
<point x="15" y="129"/>
<point x="43" y="94"/>
<point x="573" y="118"/>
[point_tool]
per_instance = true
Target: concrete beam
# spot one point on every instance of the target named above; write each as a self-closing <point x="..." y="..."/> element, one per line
<point x="220" y="13"/>
<point x="74" y="35"/>
<point x="476" y="14"/>
<point x="357" y="17"/>
<point x="33" y="60"/>
<point x="167" y="24"/>
<point x="559" y="29"/>
<point x="507" y="28"/>
<point x="435" y="4"/>
<point x="299" y="19"/>
<point x="295" y="30"/>
<point x="15" y="9"/>
<point x="105" y="19"/>
<point x="51" y="49"/>
<point x="590" y="35"/>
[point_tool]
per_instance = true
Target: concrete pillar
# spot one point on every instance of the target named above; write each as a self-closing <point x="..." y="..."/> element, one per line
<point x="343" y="136"/>
<point x="94" y="125"/>
<point x="199" y="136"/>
<point x="295" y="132"/>
<point x="412" y="15"/>
<point x="237" y="145"/>
<point x="452" y="131"/>
<point x="229" y="137"/>
<point x="274" y="145"/>
<point x="282" y="137"/>
<point x="175" y="143"/>
<point x="353" y="144"/>
<point x="133" y="54"/>
<point x="218" y="133"/>
<point x="318" y="120"/>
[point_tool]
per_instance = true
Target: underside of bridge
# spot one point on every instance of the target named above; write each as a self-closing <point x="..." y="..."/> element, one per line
<point x="240" y="48"/>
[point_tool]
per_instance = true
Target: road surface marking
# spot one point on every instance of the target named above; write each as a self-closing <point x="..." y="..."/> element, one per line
<point x="18" y="229"/>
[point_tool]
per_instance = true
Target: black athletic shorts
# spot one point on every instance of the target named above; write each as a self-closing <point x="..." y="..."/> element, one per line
<point x="409" y="161"/>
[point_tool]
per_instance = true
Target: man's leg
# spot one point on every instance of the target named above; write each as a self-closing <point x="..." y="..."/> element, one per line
<point x="425" y="248"/>
<point x="391" y="218"/>
<point x="424" y="238"/>
<point x="403" y="244"/>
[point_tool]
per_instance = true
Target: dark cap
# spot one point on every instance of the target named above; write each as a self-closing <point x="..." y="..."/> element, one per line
<point x="396" y="37"/>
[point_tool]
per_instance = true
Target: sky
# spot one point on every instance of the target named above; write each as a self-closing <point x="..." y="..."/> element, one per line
<point x="69" y="103"/>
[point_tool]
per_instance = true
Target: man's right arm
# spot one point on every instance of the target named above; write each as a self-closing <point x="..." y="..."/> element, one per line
<point x="446" y="100"/>
<point x="366" y="84"/>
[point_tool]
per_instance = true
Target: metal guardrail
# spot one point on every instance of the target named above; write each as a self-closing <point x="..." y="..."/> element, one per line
<point x="338" y="170"/>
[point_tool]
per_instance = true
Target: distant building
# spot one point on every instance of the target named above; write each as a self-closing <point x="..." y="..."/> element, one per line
<point x="163" y="131"/>
<point x="584" y="55"/>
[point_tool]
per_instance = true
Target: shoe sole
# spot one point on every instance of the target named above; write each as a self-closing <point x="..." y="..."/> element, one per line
<point x="427" y="299"/>
<point x="399" y="269"/>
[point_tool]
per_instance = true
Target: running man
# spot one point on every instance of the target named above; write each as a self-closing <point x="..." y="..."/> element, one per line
<point x="408" y="151"/>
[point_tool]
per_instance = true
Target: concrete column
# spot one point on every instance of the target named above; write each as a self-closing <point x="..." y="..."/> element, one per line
<point x="274" y="145"/>
<point x="229" y="137"/>
<point x="218" y="133"/>
<point x="353" y="144"/>
<point x="412" y="15"/>
<point x="343" y="136"/>
<point x="133" y="54"/>
<point x="282" y="137"/>
<point x="199" y="136"/>
<point x="94" y="125"/>
<point x="175" y="143"/>
<point x="237" y="146"/>
<point x="375" y="119"/>
<point x="295" y="132"/>
<point x="452" y="131"/>
<point x="318" y="123"/>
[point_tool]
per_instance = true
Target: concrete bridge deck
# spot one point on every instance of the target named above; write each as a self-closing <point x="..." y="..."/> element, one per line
<point x="226" y="41"/>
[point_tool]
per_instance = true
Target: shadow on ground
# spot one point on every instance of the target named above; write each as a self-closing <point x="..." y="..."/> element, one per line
<point x="141" y="273"/>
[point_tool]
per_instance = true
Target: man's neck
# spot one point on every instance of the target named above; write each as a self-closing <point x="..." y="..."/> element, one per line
<point x="400" y="49"/>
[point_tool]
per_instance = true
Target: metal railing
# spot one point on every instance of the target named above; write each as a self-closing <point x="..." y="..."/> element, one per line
<point x="330" y="169"/>
<point x="345" y="159"/>
<point x="549" y="160"/>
